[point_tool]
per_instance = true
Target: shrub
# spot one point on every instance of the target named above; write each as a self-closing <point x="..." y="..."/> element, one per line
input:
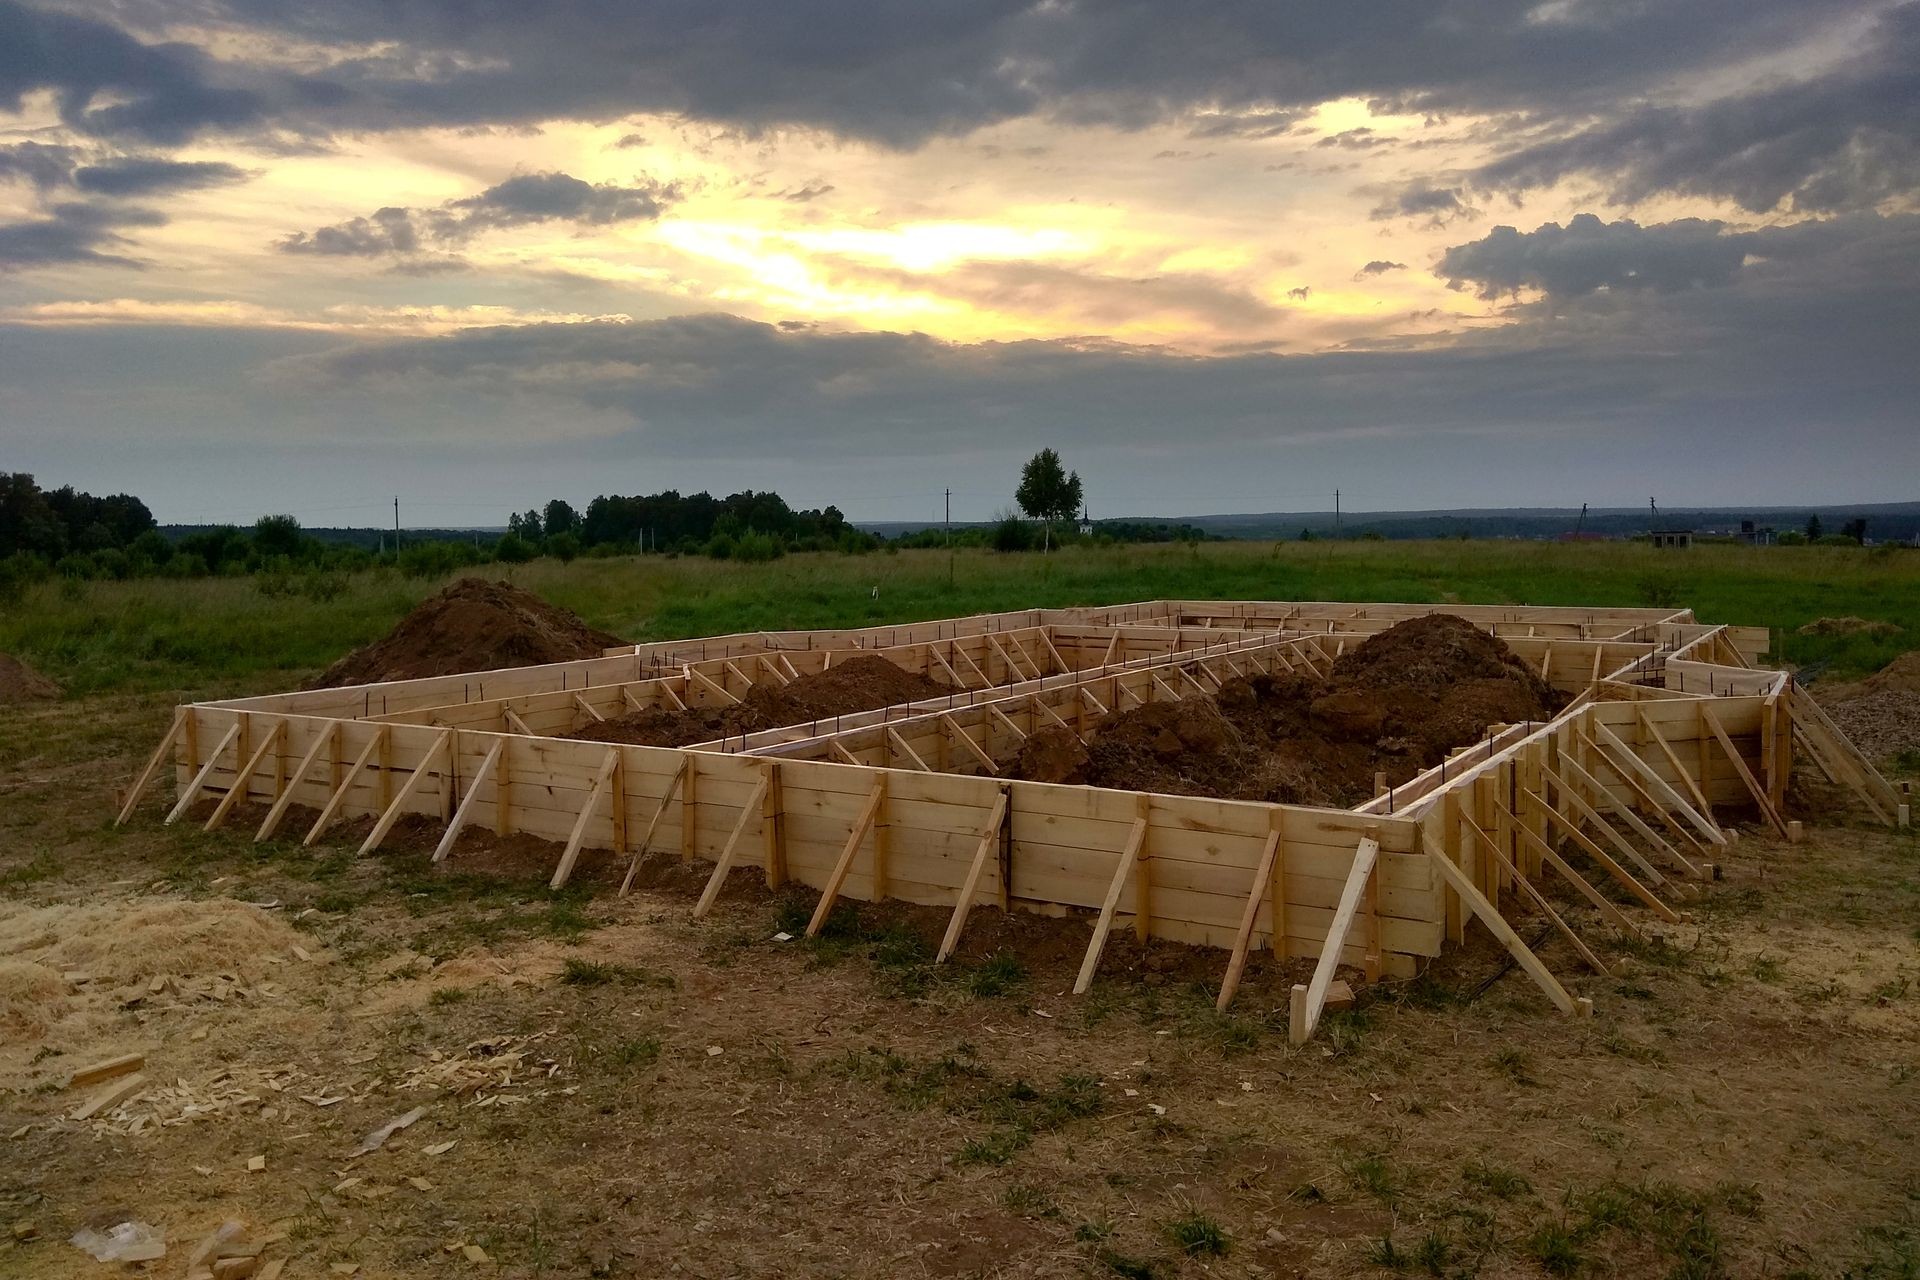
<point x="754" y="547"/>
<point x="719" y="547"/>
<point x="563" y="547"/>
<point x="1011" y="533"/>
<point x="513" y="549"/>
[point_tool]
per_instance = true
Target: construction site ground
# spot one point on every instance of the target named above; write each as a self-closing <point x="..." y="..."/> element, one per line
<point x="612" y="1088"/>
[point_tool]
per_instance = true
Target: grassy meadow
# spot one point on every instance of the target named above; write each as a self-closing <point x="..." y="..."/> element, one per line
<point x="226" y="634"/>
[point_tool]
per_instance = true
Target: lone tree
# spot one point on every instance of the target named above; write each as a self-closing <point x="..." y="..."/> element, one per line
<point x="1048" y="492"/>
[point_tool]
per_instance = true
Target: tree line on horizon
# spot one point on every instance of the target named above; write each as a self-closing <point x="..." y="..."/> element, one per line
<point x="72" y="535"/>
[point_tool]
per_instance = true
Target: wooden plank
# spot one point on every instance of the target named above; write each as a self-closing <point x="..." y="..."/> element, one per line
<point x="1754" y="789"/>
<point x="1307" y="1003"/>
<point x="1123" y="871"/>
<point x="1552" y="858"/>
<point x="1620" y="874"/>
<point x="1539" y="899"/>
<point x="1702" y="806"/>
<point x="244" y="779"/>
<point x="1655" y="785"/>
<point x="900" y="744"/>
<point x="869" y="815"/>
<point x="973" y="748"/>
<point x="162" y="754"/>
<point x="970" y="887"/>
<point x="1262" y="887"/>
<point x="192" y="792"/>
<point x="1592" y="814"/>
<point x="696" y="676"/>
<point x="339" y="797"/>
<point x="328" y="740"/>
<point x="465" y="810"/>
<point x="640" y="850"/>
<point x="1497" y="924"/>
<point x="441" y="750"/>
<point x="730" y="850"/>
<point x="1625" y="807"/>
<point x="602" y="787"/>
<point x="773" y="846"/>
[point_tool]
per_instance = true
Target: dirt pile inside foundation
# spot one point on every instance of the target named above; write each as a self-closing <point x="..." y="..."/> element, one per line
<point x="21" y="683"/>
<point x="863" y="683"/>
<point x="1881" y="714"/>
<point x="474" y="625"/>
<point x="1399" y="703"/>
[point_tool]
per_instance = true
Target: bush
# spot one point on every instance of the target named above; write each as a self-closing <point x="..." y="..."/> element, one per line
<point x="185" y="564"/>
<point x="563" y="547"/>
<point x="1011" y="533"/>
<point x="18" y="572"/>
<point x="513" y="549"/>
<point x="321" y="587"/>
<point x="719" y="547"/>
<point x="1834" y="540"/>
<point x="757" y="548"/>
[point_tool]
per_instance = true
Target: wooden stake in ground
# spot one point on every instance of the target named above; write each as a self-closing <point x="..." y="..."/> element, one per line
<point x="1303" y="1013"/>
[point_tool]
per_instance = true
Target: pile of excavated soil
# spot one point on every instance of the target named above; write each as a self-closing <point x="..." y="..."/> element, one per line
<point x="21" y="683"/>
<point x="474" y="625"/>
<point x="1881" y="714"/>
<point x="1849" y="626"/>
<point x="1399" y="703"/>
<point x="865" y="683"/>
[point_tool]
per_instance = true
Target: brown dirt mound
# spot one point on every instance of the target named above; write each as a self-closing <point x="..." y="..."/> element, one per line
<point x="474" y="625"/>
<point x="858" y="684"/>
<point x="1849" y="626"/>
<point x="1398" y="703"/>
<point x="1902" y="675"/>
<point x="21" y="683"/>
<point x="1881" y="714"/>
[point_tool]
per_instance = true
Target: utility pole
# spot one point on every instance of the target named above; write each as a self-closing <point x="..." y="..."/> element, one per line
<point x="949" y="538"/>
<point x="1336" y="513"/>
<point x="396" y="524"/>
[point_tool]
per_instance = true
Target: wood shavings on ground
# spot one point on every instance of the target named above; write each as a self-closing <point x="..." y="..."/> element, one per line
<point x="499" y="1071"/>
<point x="233" y="1091"/>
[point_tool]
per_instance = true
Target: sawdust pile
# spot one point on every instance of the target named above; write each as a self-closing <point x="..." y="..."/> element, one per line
<point x="21" y="683"/>
<point x="54" y="959"/>
<point x="1881" y="714"/>
<point x="474" y="625"/>
<point x="1399" y="703"/>
<point x="863" y="683"/>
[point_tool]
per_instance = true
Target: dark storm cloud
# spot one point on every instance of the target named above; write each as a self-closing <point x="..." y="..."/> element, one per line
<point x="886" y="70"/>
<point x="38" y="163"/>
<point x="1437" y="205"/>
<point x="519" y="201"/>
<point x="70" y="233"/>
<point x="1588" y="254"/>
<point x="1816" y="330"/>
<point x="150" y="175"/>
<point x="104" y="81"/>
<point x="1844" y="140"/>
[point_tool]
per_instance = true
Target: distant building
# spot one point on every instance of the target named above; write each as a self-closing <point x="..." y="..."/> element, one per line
<point x="1674" y="539"/>
<point x="1757" y="535"/>
<point x="1086" y="523"/>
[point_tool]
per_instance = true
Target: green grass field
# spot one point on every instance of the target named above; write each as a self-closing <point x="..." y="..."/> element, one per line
<point x="227" y="634"/>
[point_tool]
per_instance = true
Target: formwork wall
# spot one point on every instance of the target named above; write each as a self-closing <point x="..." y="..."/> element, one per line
<point x="1186" y="869"/>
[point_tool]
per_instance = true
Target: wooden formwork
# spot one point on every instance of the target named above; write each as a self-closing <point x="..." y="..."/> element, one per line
<point x="1617" y="796"/>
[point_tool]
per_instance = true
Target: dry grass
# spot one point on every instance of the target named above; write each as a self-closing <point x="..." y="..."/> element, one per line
<point x="1742" y="1105"/>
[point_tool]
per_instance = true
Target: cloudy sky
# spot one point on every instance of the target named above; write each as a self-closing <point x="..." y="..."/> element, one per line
<point x="292" y="256"/>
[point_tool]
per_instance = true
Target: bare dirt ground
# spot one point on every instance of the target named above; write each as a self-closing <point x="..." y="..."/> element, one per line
<point x="612" y="1088"/>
